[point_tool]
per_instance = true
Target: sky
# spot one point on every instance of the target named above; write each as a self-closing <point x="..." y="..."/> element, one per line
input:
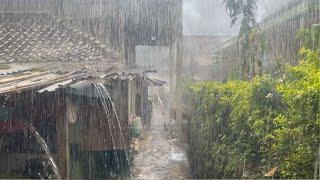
<point x="209" y="17"/>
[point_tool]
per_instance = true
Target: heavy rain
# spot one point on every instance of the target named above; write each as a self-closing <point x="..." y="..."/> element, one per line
<point x="160" y="89"/>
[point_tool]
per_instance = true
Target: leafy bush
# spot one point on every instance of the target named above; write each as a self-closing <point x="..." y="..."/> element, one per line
<point x="244" y="129"/>
<point x="300" y="125"/>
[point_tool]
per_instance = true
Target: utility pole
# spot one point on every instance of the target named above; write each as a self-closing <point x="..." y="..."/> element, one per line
<point x="178" y="94"/>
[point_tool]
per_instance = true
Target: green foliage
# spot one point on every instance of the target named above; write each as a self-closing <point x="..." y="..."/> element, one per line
<point x="310" y="37"/>
<point x="301" y="92"/>
<point x="244" y="10"/>
<point x="244" y="129"/>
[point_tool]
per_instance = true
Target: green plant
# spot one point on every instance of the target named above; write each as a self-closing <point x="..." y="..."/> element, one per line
<point x="244" y="10"/>
<point x="298" y="129"/>
<point x="310" y="37"/>
<point x="244" y="129"/>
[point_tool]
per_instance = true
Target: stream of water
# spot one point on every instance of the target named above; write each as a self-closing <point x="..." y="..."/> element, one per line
<point x="110" y="110"/>
<point x="44" y="146"/>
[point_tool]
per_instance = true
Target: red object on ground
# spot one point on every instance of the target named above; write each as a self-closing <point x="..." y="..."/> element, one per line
<point x="11" y="126"/>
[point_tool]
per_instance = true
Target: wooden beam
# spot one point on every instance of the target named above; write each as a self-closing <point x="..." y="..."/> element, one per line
<point x="43" y="82"/>
<point x="62" y="141"/>
<point x="20" y="78"/>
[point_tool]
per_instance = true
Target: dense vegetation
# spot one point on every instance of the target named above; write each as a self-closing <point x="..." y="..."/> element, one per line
<point x="247" y="128"/>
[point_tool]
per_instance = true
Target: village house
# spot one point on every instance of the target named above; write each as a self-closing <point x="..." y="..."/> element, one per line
<point x="66" y="101"/>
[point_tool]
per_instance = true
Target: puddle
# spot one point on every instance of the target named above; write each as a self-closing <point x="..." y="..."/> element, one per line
<point x="178" y="157"/>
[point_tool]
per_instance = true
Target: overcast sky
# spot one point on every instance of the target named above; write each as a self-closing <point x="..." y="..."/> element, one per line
<point x="209" y="17"/>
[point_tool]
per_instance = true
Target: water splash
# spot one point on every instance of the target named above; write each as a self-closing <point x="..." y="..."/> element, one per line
<point x="107" y="112"/>
<point x="104" y="96"/>
<point x="44" y="146"/>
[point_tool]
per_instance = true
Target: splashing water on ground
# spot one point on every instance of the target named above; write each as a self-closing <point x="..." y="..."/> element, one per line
<point x="158" y="157"/>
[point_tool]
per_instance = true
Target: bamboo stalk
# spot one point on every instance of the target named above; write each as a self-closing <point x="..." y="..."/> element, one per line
<point x="33" y="85"/>
<point x="24" y="77"/>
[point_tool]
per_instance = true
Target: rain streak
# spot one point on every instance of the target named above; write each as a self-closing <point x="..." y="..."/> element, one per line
<point x="159" y="89"/>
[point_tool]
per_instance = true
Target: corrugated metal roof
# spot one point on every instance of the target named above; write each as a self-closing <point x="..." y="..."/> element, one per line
<point x="15" y="82"/>
<point x="78" y="81"/>
<point x="155" y="82"/>
<point x="84" y="88"/>
<point x="120" y="75"/>
<point x="14" y="68"/>
<point x="56" y="86"/>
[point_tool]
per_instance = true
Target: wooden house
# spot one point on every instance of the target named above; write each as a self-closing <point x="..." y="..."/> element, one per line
<point x="66" y="102"/>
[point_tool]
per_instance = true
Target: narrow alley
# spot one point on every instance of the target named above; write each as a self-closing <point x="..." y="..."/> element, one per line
<point x="159" y="89"/>
<point x="158" y="156"/>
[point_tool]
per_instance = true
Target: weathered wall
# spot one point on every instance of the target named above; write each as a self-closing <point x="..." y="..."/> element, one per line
<point x="197" y="55"/>
<point x="119" y="93"/>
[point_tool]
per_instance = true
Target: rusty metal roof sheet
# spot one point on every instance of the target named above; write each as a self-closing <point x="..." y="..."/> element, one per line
<point x="48" y="77"/>
<point x="120" y="75"/>
<point x="16" y="82"/>
<point x="155" y="82"/>
<point x="14" y="68"/>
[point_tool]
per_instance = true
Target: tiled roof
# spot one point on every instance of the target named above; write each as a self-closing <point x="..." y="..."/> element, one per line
<point x="39" y="37"/>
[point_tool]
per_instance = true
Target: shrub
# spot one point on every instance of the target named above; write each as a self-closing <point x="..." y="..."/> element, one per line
<point x="244" y="129"/>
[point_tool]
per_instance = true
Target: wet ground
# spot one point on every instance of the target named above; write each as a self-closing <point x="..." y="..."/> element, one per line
<point x="158" y="156"/>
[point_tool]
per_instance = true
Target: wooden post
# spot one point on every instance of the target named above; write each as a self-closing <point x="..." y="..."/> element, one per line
<point x="179" y="72"/>
<point x="171" y="67"/>
<point x="62" y="142"/>
<point x="129" y="50"/>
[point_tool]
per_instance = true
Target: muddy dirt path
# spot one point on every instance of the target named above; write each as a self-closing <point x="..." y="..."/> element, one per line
<point x="157" y="155"/>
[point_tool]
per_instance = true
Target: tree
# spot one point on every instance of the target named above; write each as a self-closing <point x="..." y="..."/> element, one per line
<point x="244" y="10"/>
